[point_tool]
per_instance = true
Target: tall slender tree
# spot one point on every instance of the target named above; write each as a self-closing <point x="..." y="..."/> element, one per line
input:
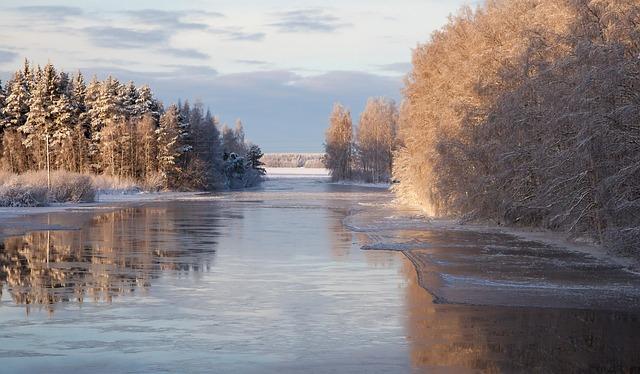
<point x="338" y="144"/>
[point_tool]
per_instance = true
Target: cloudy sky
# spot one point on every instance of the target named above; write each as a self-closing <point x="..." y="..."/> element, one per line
<point x="278" y="65"/>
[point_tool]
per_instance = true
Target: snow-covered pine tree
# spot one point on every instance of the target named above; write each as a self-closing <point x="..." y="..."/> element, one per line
<point x="64" y="123"/>
<point x="16" y="108"/>
<point x="254" y="155"/>
<point x="82" y="131"/>
<point x="129" y="99"/>
<point x="110" y="148"/>
<point x="147" y="104"/>
<point x="107" y="108"/>
<point x="17" y="101"/>
<point x="206" y="143"/>
<point x="3" y="95"/>
<point x="148" y="149"/>
<point x="186" y="140"/>
<point x="168" y="134"/>
<point x="39" y="127"/>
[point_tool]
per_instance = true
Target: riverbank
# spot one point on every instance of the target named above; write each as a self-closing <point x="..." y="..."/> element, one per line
<point x="112" y="199"/>
<point x="498" y="266"/>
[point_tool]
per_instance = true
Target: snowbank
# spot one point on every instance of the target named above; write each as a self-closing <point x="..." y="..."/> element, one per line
<point x="274" y="173"/>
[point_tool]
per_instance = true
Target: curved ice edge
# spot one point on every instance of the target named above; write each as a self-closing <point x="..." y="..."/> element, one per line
<point x="435" y="291"/>
<point x="398" y="247"/>
<point x="483" y="282"/>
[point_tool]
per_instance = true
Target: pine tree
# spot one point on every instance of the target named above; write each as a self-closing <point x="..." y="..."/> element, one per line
<point x="146" y="104"/>
<point x="16" y="109"/>
<point x="40" y="124"/>
<point x="253" y="158"/>
<point x="168" y="134"/>
<point x="17" y="101"/>
<point x="148" y="150"/>
<point x="184" y="124"/>
<point x="79" y="143"/>
<point x="129" y="98"/>
<point x="107" y="108"/>
<point x="3" y="96"/>
<point x="65" y="121"/>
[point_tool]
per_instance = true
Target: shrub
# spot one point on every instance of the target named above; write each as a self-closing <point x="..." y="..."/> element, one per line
<point x="30" y="189"/>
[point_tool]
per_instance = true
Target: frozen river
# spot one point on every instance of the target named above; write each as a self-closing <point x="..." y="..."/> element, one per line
<point x="275" y="280"/>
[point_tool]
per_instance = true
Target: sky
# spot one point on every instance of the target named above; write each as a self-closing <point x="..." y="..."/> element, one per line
<point x="279" y="66"/>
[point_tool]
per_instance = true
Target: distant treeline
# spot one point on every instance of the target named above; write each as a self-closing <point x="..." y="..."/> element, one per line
<point x="367" y="156"/>
<point x="294" y="160"/>
<point x="528" y="112"/>
<point x="49" y="118"/>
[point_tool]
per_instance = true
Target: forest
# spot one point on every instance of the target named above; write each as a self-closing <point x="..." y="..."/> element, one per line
<point x="517" y="112"/>
<point x="56" y="121"/>
<point x="294" y="160"/>
<point x="527" y="112"/>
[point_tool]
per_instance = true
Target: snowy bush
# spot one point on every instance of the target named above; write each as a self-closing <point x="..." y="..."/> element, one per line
<point x="15" y="194"/>
<point x="30" y="189"/>
<point x="241" y="173"/>
<point x="71" y="187"/>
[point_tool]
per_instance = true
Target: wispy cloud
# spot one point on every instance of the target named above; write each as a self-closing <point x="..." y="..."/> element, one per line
<point x="174" y="20"/>
<point x="396" y="67"/>
<point x="252" y="62"/>
<point x="245" y="36"/>
<point x="185" y="53"/>
<point x="118" y="37"/>
<point x="7" y="56"/>
<point x="49" y="12"/>
<point x="307" y="20"/>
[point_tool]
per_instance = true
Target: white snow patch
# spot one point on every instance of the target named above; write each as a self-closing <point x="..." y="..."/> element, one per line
<point x="384" y="186"/>
<point x="275" y="173"/>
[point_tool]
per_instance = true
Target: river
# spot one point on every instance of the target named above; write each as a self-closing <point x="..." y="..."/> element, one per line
<point x="269" y="281"/>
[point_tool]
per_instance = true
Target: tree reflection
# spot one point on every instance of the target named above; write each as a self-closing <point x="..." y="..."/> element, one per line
<point x="503" y="339"/>
<point x="113" y="254"/>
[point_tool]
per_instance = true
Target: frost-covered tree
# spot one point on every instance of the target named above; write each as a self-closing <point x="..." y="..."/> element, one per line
<point x="253" y="157"/>
<point x="148" y="149"/>
<point x="538" y="126"/>
<point x="16" y="106"/>
<point x="376" y="140"/>
<point x="80" y="140"/>
<point x="147" y="104"/>
<point x="40" y="126"/>
<point x="3" y="96"/>
<point x="64" y="125"/>
<point x="107" y="127"/>
<point x="338" y="144"/>
<point x="169" y="146"/>
<point x="233" y="139"/>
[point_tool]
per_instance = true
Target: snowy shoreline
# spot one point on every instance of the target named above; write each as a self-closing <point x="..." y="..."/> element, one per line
<point x="104" y="200"/>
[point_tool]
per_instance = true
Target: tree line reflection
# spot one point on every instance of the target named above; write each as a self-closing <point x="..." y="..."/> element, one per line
<point x="113" y="254"/>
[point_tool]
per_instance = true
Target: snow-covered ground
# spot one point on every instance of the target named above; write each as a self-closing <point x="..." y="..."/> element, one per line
<point x="384" y="186"/>
<point x="274" y="173"/>
<point x="104" y="200"/>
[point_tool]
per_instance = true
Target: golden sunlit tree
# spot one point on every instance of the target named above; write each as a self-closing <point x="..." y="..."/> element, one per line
<point x="338" y="144"/>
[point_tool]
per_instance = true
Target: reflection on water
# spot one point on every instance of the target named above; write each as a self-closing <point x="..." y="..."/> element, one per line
<point x="115" y="253"/>
<point x="505" y="339"/>
<point x="268" y="281"/>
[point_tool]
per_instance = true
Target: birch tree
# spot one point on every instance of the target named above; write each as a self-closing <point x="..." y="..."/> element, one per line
<point x="338" y="143"/>
<point x="377" y="139"/>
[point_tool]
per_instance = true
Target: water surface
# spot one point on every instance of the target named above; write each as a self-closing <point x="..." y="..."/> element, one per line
<point x="271" y="280"/>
